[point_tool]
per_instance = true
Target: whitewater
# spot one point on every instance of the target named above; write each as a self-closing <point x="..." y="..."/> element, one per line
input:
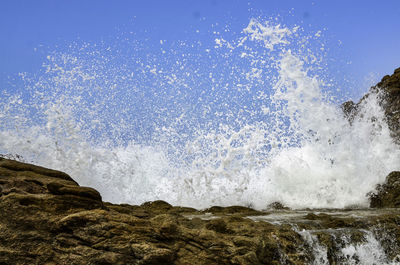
<point x="249" y="121"/>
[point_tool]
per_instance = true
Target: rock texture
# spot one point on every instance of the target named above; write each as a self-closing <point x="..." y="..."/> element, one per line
<point x="388" y="193"/>
<point x="389" y="89"/>
<point x="47" y="218"/>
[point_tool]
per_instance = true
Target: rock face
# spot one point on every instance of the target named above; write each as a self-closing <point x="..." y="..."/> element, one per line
<point x="391" y="104"/>
<point x="388" y="193"/>
<point x="47" y="218"/>
<point x="389" y="87"/>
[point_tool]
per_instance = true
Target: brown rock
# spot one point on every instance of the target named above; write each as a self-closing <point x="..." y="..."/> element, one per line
<point x="389" y="88"/>
<point x="48" y="219"/>
<point x="388" y="193"/>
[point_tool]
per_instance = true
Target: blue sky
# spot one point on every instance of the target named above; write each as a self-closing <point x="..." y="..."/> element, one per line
<point x="365" y="33"/>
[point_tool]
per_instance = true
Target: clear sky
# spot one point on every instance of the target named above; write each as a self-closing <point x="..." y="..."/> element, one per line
<point x="365" y="33"/>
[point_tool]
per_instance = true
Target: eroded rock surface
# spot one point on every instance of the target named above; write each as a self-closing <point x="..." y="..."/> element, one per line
<point x="47" y="218"/>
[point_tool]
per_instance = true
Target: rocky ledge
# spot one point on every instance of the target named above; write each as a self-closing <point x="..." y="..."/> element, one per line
<point x="47" y="218"/>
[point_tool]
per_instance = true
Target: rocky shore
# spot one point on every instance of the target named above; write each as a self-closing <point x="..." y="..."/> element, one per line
<point x="47" y="218"/>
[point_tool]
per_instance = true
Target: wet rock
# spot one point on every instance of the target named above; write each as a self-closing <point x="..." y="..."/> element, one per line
<point x="236" y="210"/>
<point x="311" y="216"/>
<point x="157" y="205"/>
<point x="277" y="206"/>
<point x="388" y="193"/>
<point x="391" y="102"/>
<point x="389" y="90"/>
<point x="349" y="109"/>
<point x="218" y="225"/>
<point x="47" y="218"/>
<point x="41" y="171"/>
<point x="59" y="189"/>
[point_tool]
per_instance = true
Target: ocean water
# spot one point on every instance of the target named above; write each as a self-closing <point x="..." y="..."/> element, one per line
<point x="249" y="120"/>
<point x="369" y="252"/>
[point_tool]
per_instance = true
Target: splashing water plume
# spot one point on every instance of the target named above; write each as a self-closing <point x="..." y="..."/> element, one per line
<point x="248" y="121"/>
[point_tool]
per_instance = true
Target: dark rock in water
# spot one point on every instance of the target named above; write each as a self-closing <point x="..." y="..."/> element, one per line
<point x="388" y="193"/>
<point x="277" y="206"/>
<point x="47" y="218"/>
<point x="234" y="210"/>
<point x="349" y="109"/>
<point x="389" y="88"/>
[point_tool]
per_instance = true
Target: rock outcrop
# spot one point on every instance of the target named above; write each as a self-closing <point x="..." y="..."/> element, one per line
<point x="47" y="218"/>
<point x="389" y="89"/>
<point x="387" y="194"/>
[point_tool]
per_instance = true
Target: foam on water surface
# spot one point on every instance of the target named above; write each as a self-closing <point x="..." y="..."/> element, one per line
<point x="248" y="121"/>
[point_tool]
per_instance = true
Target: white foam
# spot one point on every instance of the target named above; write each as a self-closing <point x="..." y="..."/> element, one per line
<point x="263" y="131"/>
<point x="369" y="253"/>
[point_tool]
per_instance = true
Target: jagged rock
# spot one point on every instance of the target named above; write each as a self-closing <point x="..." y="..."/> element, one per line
<point x="349" y="109"/>
<point x="391" y="83"/>
<point x="388" y="193"/>
<point x="389" y="87"/>
<point x="391" y="104"/>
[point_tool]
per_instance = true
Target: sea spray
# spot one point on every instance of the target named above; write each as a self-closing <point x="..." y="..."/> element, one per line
<point x="344" y="248"/>
<point x="247" y="121"/>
